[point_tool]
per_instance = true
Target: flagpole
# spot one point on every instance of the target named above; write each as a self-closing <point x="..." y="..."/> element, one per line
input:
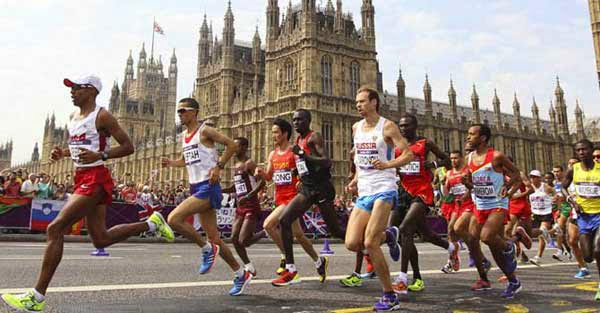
<point x="152" y="49"/>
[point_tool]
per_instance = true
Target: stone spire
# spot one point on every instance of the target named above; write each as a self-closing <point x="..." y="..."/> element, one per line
<point x="427" y="97"/>
<point x="452" y="101"/>
<point x="228" y="38"/>
<point x="536" y="117"/>
<point x="339" y="18"/>
<point x="552" y="114"/>
<point x="497" y="110"/>
<point x="475" y="104"/>
<point x="401" y="90"/>
<point x="517" y="113"/>
<point x="368" y="21"/>
<point x="272" y="22"/>
<point x="129" y="67"/>
<point x="579" y="121"/>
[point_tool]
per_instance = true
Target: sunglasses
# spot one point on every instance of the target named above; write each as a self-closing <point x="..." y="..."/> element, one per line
<point x="83" y="86"/>
<point x="183" y="110"/>
<point x="597" y="156"/>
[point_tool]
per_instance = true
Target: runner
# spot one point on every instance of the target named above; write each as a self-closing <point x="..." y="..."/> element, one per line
<point x="564" y="210"/>
<point x="247" y="213"/>
<point x="490" y="194"/>
<point x="281" y="169"/>
<point x="585" y="175"/>
<point x="573" y="230"/>
<point x="416" y="181"/>
<point x="90" y="127"/>
<point x="313" y="166"/>
<point x="375" y="180"/>
<point x="541" y="206"/>
<point x="519" y="209"/>
<point x="446" y="204"/>
<point x="204" y="167"/>
<point x="462" y="216"/>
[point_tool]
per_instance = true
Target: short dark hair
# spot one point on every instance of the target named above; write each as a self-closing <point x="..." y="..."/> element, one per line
<point x="243" y="141"/>
<point x="456" y="152"/>
<point x="484" y="130"/>
<point x="510" y="158"/>
<point x="549" y="173"/>
<point x="306" y="112"/>
<point x="412" y="117"/>
<point x="191" y="102"/>
<point x="559" y="166"/>
<point x="585" y="142"/>
<point x="373" y="94"/>
<point x="284" y="125"/>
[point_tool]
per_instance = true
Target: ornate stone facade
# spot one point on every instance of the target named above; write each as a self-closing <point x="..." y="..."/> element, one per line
<point x="5" y="154"/>
<point x="314" y="58"/>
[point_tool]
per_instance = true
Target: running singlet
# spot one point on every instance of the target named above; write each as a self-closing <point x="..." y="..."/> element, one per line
<point x="519" y="204"/>
<point x="310" y="174"/>
<point x="487" y="184"/>
<point x="415" y="178"/>
<point x="587" y="188"/>
<point x="243" y="183"/>
<point x="456" y="187"/>
<point x="284" y="177"/>
<point x="83" y="134"/>
<point x="449" y="198"/>
<point x="370" y="146"/>
<point x="199" y="159"/>
<point x="541" y="202"/>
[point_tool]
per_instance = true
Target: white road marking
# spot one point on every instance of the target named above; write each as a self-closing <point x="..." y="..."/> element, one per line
<point x="222" y="282"/>
<point x="73" y="257"/>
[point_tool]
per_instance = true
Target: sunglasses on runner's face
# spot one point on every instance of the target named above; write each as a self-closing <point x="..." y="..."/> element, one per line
<point x="183" y="110"/>
<point x="77" y="87"/>
<point x="596" y="156"/>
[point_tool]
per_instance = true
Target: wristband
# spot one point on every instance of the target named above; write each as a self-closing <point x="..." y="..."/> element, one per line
<point x="221" y="165"/>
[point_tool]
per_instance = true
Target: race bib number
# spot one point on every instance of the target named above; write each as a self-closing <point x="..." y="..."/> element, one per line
<point x="191" y="154"/>
<point x="74" y="153"/>
<point x="537" y="203"/>
<point x="484" y="191"/>
<point x="412" y="168"/>
<point x="301" y="167"/>
<point x="240" y="189"/>
<point x="588" y="190"/>
<point x="458" y="190"/>
<point x="282" y="177"/>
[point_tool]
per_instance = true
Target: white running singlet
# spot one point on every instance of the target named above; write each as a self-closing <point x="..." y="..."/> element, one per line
<point x="369" y="146"/>
<point x="199" y="159"/>
<point x="83" y="134"/>
<point x="541" y="202"/>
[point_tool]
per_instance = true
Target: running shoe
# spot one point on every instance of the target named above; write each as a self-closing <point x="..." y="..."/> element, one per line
<point x="524" y="237"/>
<point x="447" y="268"/>
<point x="286" y="278"/>
<point x="162" y="228"/>
<point x="208" y="258"/>
<point x="481" y="285"/>
<point x="597" y="297"/>
<point x="583" y="273"/>
<point x="239" y="283"/>
<point x="552" y="244"/>
<point x="545" y="235"/>
<point x="524" y="258"/>
<point x="455" y="260"/>
<point x="281" y="266"/>
<point x="25" y="302"/>
<point x="510" y="258"/>
<point x="487" y="265"/>
<point x="557" y="256"/>
<point x="392" y="235"/>
<point x="353" y="280"/>
<point x="400" y="286"/>
<point x="569" y="255"/>
<point x="253" y="273"/>
<point x="535" y="261"/>
<point x="387" y="303"/>
<point x="368" y="275"/>
<point x="417" y="286"/>
<point x="511" y="290"/>
<point x="322" y="269"/>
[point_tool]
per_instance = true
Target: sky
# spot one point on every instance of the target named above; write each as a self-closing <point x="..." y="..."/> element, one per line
<point x="514" y="46"/>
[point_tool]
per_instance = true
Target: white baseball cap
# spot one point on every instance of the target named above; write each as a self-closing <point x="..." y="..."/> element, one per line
<point x="84" y="80"/>
<point x="535" y="173"/>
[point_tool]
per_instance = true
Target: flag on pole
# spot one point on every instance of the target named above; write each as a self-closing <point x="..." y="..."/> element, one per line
<point x="158" y="29"/>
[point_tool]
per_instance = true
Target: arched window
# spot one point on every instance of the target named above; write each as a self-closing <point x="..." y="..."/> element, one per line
<point x="354" y="78"/>
<point x="327" y="75"/>
<point x="289" y="73"/>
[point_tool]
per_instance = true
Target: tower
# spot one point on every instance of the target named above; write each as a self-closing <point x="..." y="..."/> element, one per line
<point x="203" y="46"/>
<point x="517" y="113"/>
<point x="35" y="155"/>
<point x="594" y="6"/>
<point x="561" y="110"/>
<point x="536" y="117"/>
<point x="452" y="102"/>
<point x="579" y="121"/>
<point x="401" y="89"/>
<point x="427" y="98"/>
<point x="368" y="22"/>
<point x="497" y="111"/>
<point x="272" y="22"/>
<point x="475" y="104"/>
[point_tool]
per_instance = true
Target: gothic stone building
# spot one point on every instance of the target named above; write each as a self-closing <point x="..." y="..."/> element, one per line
<point x="314" y="58"/>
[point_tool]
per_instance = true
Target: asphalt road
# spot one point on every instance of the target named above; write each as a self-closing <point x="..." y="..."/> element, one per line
<point x="163" y="278"/>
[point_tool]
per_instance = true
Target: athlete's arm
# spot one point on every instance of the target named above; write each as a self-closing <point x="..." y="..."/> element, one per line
<point x="165" y="162"/>
<point x="445" y="183"/>
<point x="528" y="188"/>
<point x="250" y="168"/>
<point x="318" y="153"/>
<point x="567" y="181"/>
<point x="268" y="174"/>
<point x="230" y="146"/>
<point x="505" y="166"/>
<point x="391" y="131"/>
<point x="443" y="158"/>
<point x="351" y="187"/>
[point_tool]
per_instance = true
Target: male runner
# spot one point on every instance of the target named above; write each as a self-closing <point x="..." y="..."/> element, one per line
<point x="416" y="181"/>
<point x="90" y="127"/>
<point x="313" y="166"/>
<point x="585" y="175"/>
<point x="204" y="167"/>
<point x="281" y="169"/>
<point x="247" y="213"/>
<point x="488" y="169"/>
<point x="462" y="216"/>
<point x="541" y="206"/>
<point x="519" y="209"/>
<point x="375" y="180"/>
<point x="565" y="212"/>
